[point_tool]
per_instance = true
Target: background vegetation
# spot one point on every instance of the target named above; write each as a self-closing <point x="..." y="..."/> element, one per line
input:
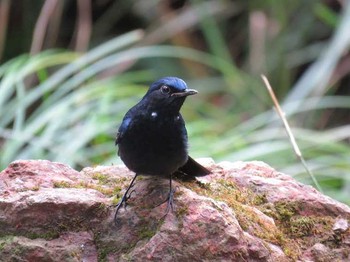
<point x="70" y="70"/>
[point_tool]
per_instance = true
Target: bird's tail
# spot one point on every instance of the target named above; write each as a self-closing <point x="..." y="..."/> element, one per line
<point x="193" y="168"/>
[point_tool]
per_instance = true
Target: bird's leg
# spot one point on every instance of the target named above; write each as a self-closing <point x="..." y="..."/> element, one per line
<point x="170" y="199"/>
<point x="124" y="199"/>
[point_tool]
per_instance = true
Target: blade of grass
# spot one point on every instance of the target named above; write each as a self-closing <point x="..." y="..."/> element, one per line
<point x="289" y="132"/>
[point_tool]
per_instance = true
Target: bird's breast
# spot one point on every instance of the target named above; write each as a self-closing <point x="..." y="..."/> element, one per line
<point x="155" y="144"/>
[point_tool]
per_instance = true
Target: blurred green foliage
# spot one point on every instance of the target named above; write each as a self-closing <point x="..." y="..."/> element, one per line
<point x="65" y="99"/>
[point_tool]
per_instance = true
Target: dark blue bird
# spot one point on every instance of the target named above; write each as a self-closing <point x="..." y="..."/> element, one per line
<point x="152" y="138"/>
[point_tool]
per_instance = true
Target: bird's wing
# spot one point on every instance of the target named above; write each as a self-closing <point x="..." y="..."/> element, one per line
<point x="122" y="129"/>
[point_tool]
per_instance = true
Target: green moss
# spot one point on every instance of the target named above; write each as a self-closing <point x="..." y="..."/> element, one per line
<point x="292" y="232"/>
<point x="76" y="255"/>
<point x="148" y="228"/>
<point x="106" y="185"/>
<point x="115" y="200"/>
<point x="301" y="226"/>
<point x="259" y="200"/>
<point x="146" y="232"/>
<point x="298" y="231"/>
<point x="242" y="195"/>
<point x="117" y="190"/>
<point x="284" y="210"/>
<point x="103" y="253"/>
<point x="102" y="207"/>
<point x="104" y="190"/>
<point x="24" y="189"/>
<point x="102" y="179"/>
<point x="35" y="188"/>
<point x="291" y="249"/>
<point x="241" y="200"/>
<point x="45" y="235"/>
<point x="62" y="184"/>
<point x="180" y="212"/>
<point x="16" y="249"/>
<point x="5" y="240"/>
<point x="107" y="191"/>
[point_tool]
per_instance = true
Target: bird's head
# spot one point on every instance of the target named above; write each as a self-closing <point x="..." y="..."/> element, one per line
<point x="169" y="92"/>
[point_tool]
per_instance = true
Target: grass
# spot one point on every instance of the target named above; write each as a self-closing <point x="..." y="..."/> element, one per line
<point x="65" y="106"/>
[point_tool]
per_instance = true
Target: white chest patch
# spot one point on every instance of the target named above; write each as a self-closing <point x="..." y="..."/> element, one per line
<point x="154" y="115"/>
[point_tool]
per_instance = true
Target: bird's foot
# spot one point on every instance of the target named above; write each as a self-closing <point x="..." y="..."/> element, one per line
<point x="121" y="203"/>
<point x="170" y="202"/>
<point x="124" y="200"/>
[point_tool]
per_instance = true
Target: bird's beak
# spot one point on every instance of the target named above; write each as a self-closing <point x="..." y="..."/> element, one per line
<point x="186" y="92"/>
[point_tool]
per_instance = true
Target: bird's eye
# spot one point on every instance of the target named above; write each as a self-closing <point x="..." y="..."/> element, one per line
<point x="165" y="89"/>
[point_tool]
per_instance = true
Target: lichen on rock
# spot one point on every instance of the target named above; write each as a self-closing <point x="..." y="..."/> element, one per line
<point x="243" y="211"/>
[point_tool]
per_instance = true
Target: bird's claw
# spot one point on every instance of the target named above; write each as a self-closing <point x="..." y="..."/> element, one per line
<point x="170" y="199"/>
<point x="123" y="201"/>
<point x="127" y="197"/>
<point x="170" y="202"/>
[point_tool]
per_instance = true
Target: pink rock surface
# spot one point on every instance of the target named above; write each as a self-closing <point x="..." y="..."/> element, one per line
<point x="243" y="211"/>
<point x="68" y="247"/>
<point x="31" y="174"/>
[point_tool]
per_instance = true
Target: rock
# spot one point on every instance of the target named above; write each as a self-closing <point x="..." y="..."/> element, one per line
<point x="75" y="246"/>
<point x="35" y="174"/>
<point x="37" y="212"/>
<point x="340" y="225"/>
<point x="243" y="211"/>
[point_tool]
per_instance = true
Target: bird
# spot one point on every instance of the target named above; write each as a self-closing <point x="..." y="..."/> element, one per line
<point x="152" y="138"/>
